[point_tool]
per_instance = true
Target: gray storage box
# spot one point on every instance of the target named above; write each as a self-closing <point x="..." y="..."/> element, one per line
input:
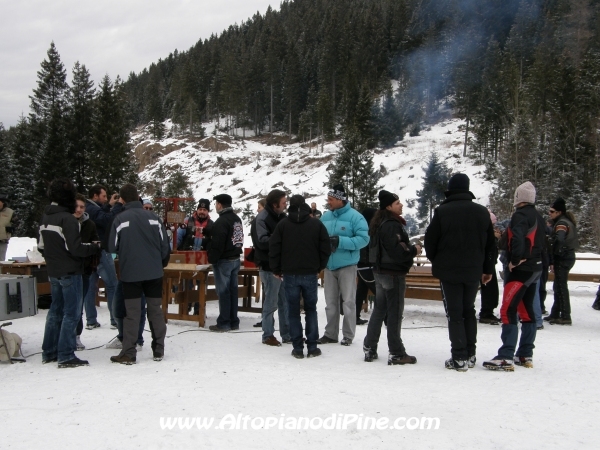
<point x="18" y="296"/>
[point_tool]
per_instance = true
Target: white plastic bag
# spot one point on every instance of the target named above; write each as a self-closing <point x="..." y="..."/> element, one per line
<point x="35" y="257"/>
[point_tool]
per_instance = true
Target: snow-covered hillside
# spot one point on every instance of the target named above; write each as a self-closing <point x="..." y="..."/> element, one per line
<point x="247" y="169"/>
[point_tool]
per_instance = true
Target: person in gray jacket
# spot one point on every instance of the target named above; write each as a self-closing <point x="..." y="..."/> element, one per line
<point x="140" y="239"/>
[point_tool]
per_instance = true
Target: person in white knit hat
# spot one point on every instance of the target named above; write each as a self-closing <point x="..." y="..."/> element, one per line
<point x="526" y="238"/>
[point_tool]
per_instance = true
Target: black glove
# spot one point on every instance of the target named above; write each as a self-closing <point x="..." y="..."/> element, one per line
<point x="9" y="230"/>
<point x="334" y="241"/>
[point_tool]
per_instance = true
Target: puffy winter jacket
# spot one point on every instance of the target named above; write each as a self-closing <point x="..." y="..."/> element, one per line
<point x="390" y="249"/>
<point x="353" y="232"/>
<point x="460" y="240"/>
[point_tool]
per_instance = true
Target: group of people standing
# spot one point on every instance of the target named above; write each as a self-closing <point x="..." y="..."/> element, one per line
<point x="372" y="250"/>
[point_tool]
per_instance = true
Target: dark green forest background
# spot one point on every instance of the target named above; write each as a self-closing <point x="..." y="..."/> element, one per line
<point x="525" y="76"/>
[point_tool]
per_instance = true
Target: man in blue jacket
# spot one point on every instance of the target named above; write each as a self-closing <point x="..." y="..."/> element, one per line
<point x="348" y="233"/>
<point x="102" y="212"/>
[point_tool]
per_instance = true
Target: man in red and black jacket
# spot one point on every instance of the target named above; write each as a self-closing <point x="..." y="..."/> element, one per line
<point x="526" y="239"/>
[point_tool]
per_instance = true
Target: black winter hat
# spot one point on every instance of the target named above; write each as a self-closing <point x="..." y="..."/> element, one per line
<point x="223" y="199"/>
<point x="386" y="199"/>
<point x="3" y="197"/>
<point x="338" y="192"/>
<point x="559" y="205"/>
<point x="459" y="182"/>
<point x="204" y="203"/>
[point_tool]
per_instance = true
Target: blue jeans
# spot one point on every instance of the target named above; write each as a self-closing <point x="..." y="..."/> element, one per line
<point x="306" y="285"/>
<point x="197" y="244"/>
<point x="274" y="301"/>
<point x="106" y="271"/>
<point x="89" y="297"/>
<point x="226" y="282"/>
<point x="120" y="313"/>
<point x="62" y="318"/>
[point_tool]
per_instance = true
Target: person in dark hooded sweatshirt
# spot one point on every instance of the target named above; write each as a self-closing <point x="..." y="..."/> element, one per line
<point x="460" y="244"/>
<point x="299" y="249"/>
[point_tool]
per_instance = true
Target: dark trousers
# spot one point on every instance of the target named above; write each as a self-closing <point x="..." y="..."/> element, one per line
<point x="490" y="294"/>
<point x="388" y="300"/>
<point x="459" y="302"/>
<point x="543" y="292"/>
<point x="519" y="294"/>
<point x="366" y="281"/>
<point x="562" y="300"/>
<point x="305" y="286"/>
<point x="132" y="292"/>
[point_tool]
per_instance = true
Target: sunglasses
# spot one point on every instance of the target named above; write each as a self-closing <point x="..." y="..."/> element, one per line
<point x="552" y="211"/>
<point x="148" y="208"/>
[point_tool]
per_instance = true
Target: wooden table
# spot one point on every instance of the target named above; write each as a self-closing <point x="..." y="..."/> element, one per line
<point x="185" y="275"/>
<point x="34" y="269"/>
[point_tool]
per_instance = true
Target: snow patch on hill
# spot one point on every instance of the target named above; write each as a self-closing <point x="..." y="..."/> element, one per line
<point x="247" y="169"/>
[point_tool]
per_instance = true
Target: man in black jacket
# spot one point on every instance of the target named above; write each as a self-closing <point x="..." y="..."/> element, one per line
<point x="141" y="241"/>
<point x="460" y="245"/>
<point x="391" y="254"/>
<point x="60" y="243"/>
<point x="261" y="230"/>
<point x="224" y="255"/>
<point x="526" y="239"/>
<point x="299" y="249"/>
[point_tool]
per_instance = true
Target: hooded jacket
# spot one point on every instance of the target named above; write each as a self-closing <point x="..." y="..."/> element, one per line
<point x="261" y="230"/>
<point x="60" y="242"/>
<point x="460" y="239"/>
<point x="299" y="245"/>
<point x="353" y="231"/>
<point x="140" y="239"/>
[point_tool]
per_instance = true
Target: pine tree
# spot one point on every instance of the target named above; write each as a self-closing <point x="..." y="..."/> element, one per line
<point x="353" y="168"/>
<point x="80" y="125"/>
<point x="435" y="182"/>
<point x="48" y="122"/>
<point x="112" y="164"/>
<point x="25" y="203"/>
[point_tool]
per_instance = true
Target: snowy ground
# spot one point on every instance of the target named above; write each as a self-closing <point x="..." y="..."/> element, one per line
<point x="205" y="374"/>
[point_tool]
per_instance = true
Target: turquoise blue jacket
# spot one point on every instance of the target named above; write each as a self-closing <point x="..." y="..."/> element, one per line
<point x="352" y="228"/>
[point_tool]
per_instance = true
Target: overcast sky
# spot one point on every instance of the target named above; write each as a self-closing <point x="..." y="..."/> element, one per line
<point x="108" y="36"/>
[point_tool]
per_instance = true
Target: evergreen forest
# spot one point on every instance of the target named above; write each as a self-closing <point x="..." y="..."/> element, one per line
<point x="523" y="74"/>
